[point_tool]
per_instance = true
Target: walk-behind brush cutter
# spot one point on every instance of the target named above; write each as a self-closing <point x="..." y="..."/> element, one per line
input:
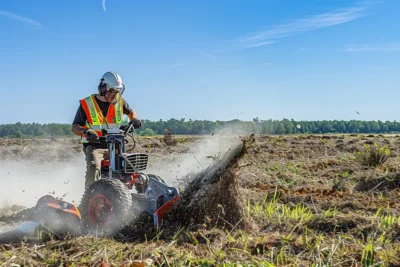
<point x="110" y="202"/>
<point x="122" y="193"/>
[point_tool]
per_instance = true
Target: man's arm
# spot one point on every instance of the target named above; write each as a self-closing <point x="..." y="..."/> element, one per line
<point x="79" y="121"/>
<point x="77" y="129"/>
<point x="128" y="111"/>
<point x="132" y="115"/>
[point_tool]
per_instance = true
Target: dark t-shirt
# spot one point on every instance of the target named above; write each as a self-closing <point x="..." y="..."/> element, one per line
<point x="80" y="117"/>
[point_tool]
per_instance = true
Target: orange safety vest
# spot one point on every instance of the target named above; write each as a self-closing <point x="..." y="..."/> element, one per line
<point x="95" y="118"/>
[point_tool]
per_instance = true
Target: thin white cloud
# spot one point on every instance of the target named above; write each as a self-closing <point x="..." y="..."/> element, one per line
<point x="274" y="33"/>
<point x="209" y="55"/>
<point x="14" y="16"/>
<point x="385" y="47"/>
<point x="104" y="5"/>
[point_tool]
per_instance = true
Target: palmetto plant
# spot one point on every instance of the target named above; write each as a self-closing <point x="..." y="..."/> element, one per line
<point x="372" y="156"/>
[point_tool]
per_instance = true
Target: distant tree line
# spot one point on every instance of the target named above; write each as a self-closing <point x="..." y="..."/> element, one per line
<point x="200" y="127"/>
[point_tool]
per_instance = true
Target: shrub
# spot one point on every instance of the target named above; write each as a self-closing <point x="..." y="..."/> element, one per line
<point x="372" y="156"/>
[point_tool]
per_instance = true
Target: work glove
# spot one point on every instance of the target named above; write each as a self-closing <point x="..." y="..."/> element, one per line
<point x="91" y="136"/>
<point x="136" y="123"/>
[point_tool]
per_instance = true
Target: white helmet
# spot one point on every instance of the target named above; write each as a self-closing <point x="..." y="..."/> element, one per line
<point x="111" y="80"/>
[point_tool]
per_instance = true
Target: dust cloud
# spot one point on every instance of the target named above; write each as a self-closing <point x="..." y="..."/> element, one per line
<point x="24" y="182"/>
<point x="174" y="167"/>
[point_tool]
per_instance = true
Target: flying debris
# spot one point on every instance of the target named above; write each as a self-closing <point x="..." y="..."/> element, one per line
<point x="358" y="112"/>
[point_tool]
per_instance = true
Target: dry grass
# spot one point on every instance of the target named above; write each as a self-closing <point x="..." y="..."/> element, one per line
<point x="313" y="203"/>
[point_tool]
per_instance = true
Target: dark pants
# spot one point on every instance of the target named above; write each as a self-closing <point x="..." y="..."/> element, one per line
<point x="94" y="156"/>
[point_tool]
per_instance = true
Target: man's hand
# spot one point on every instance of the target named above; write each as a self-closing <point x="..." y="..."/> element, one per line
<point x="136" y="123"/>
<point x="91" y="136"/>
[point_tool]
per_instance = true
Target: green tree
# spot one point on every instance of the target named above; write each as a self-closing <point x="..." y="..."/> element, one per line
<point x="326" y="127"/>
<point x="147" y="132"/>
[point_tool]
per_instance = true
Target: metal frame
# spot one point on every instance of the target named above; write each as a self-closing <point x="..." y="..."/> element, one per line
<point x="157" y="194"/>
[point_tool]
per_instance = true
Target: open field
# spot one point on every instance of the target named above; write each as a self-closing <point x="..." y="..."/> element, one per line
<point x="310" y="199"/>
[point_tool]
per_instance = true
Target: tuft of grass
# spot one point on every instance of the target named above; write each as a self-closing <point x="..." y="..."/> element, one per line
<point x="372" y="156"/>
<point x="339" y="180"/>
<point x="368" y="255"/>
<point x="331" y="212"/>
<point x="275" y="212"/>
<point x="386" y="221"/>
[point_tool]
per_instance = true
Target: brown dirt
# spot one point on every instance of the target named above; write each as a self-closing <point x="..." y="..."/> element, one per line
<point x="213" y="196"/>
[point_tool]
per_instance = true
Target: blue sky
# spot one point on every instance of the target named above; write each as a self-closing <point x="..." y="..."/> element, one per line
<point x="215" y="60"/>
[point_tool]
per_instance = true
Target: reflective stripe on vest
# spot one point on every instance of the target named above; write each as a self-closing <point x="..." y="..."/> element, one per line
<point x="103" y="126"/>
<point x="95" y="118"/>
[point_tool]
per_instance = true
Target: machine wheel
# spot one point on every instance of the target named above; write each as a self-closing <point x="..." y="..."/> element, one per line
<point x="105" y="207"/>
